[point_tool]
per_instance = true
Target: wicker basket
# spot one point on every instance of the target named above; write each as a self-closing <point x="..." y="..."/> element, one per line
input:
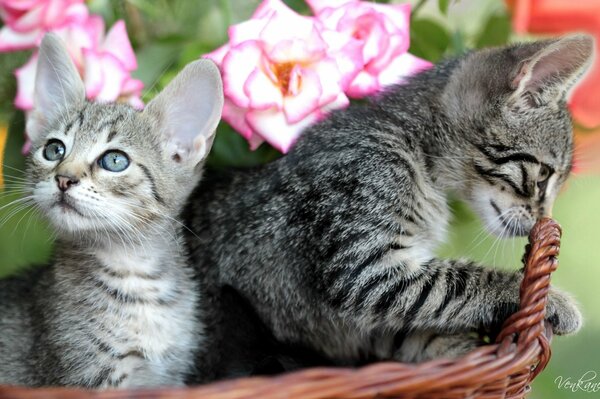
<point x="501" y="370"/>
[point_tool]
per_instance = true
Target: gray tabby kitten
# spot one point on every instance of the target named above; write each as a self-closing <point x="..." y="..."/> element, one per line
<point x="333" y="244"/>
<point x="117" y="306"/>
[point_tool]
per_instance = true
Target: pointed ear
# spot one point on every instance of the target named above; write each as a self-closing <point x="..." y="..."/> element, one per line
<point x="548" y="75"/>
<point x="57" y="86"/>
<point x="188" y="111"/>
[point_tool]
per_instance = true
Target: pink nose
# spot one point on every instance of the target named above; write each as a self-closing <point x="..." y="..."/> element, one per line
<point x="65" y="182"/>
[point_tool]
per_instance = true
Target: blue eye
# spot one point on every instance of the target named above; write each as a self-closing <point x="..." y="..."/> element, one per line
<point x="54" y="150"/>
<point x="114" y="161"/>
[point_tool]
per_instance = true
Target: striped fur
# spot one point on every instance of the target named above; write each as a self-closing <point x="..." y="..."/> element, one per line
<point x="118" y="305"/>
<point x="333" y="244"/>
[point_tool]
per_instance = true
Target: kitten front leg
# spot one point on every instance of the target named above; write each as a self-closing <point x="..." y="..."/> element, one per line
<point x="441" y="295"/>
<point x="421" y="346"/>
<point x="135" y="372"/>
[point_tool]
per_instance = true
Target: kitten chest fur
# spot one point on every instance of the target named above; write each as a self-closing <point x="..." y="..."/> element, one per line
<point x="133" y="308"/>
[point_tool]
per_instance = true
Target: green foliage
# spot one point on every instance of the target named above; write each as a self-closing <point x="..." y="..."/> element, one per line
<point x="167" y="34"/>
<point x="429" y="39"/>
<point x="496" y="31"/>
<point x="443" y="6"/>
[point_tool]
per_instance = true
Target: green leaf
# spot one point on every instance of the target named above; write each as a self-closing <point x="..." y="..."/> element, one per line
<point x="231" y="149"/>
<point x="457" y="43"/>
<point x="443" y="6"/>
<point x="495" y="32"/>
<point x="154" y="61"/>
<point x="429" y="39"/>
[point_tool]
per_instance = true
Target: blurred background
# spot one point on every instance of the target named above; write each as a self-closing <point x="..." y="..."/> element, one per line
<point x="168" y="34"/>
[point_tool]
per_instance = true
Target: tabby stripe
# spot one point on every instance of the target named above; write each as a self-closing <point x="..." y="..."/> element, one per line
<point x="70" y="125"/>
<point x="120" y="296"/>
<point x="500" y="160"/>
<point x="426" y="290"/>
<point x="399" y="338"/>
<point x="490" y="277"/>
<point x="524" y="183"/>
<point x="119" y="381"/>
<point x="374" y="257"/>
<point x="350" y="274"/>
<point x="368" y="287"/>
<point x="132" y="353"/>
<point x="518" y="157"/>
<point x="332" y="275"/>
<point x="111" y="135"/>
<point x="101" y="377"/>
<point x="429" y="341"/>
<point x="102" y="346"/>
<point x="457" y="279"/>
<point x="157" y="197"/>
<point x="397" y="247"/>
<point x="473" y="274"/>
<point x="111" y="124"/>
<point x="451" y="281"/>
<point x="391" y="293"/>
<point x="483" y="172"/>
<point x="121" y="274"/>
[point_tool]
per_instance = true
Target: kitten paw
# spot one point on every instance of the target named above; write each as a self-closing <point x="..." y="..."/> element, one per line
<point x="562" y="313"/>
<point x="429" y="346"/>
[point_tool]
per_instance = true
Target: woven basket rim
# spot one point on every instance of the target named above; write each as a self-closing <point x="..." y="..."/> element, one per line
<point x="500" y="370"/>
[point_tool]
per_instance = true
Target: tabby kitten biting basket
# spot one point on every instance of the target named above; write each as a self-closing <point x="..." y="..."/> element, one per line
<point x="333" y="244"/>
<point x="117" y="306"/>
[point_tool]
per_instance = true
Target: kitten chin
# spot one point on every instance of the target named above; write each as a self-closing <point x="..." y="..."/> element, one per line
<point x="118" y="306"/>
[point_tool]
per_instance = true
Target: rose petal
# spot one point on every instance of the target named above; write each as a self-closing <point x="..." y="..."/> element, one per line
<point x="218" y="54"/>
<point x="402" y="67"/>
<point x="347" y="53"/>
<point x="330" y="79"/>
<point x="248" y="30"/>
<point x="236" y="117"/>
<point x="26" y="83"/>
<point x="255" y="141"/>
<point x="298" y="107"/>
<point x="262" y="92"/>
<point x="105" y="76"/>
<point x="273" y="127"/>
<point x="363" y="85"/>
<point x="93" y="76"/>
<point x="318" y="5"/>
<point x="33" y="19"/>
<point x="268" y="7"/>
<point x="14" y="41"/>
<point x="238" y="64"/>
<point x="117" y="44"/>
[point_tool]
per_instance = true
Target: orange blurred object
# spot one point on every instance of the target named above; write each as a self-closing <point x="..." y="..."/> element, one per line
<point x="3" y="137"/>
<point x="556" y="17"/>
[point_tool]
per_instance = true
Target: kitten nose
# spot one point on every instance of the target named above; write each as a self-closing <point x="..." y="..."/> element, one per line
<point x="65" y="182"/>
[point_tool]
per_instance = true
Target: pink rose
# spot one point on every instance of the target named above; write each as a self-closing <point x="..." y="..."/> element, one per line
<point x="105" y="63"/>
<point x="281" y="73"/>
<point x="383" y="33"/>
<point x="26" y="21"/>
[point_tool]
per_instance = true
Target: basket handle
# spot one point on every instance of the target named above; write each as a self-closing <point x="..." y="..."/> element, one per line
<point x="529" y="322"/>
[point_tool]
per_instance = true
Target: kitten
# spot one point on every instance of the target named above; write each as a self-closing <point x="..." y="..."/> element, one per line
<point x="333" y="244"/>
<point x="118" y="305"/>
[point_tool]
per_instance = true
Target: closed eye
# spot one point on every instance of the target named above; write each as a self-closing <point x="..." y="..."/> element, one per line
<point x="543" y="177"/>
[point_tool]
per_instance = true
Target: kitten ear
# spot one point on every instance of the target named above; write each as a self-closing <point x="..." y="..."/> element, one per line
<point x="57" y="86"/>
<point x="189" y="110"/>
<point x="553" y="70"/>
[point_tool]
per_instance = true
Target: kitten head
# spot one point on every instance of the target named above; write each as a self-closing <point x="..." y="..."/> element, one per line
<point x="107" y="170"/>
<point x="510" y="106"/>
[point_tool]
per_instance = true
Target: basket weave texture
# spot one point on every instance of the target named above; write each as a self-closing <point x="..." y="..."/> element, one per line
<point x="501" y="370"/>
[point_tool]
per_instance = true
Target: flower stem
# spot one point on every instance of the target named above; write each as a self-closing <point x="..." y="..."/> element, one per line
<point x="417" y="7"/>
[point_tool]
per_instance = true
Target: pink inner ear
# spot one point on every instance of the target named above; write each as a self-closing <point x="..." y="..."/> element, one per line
<point x="557" y="67"/>
<point x="522" y="73"/>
